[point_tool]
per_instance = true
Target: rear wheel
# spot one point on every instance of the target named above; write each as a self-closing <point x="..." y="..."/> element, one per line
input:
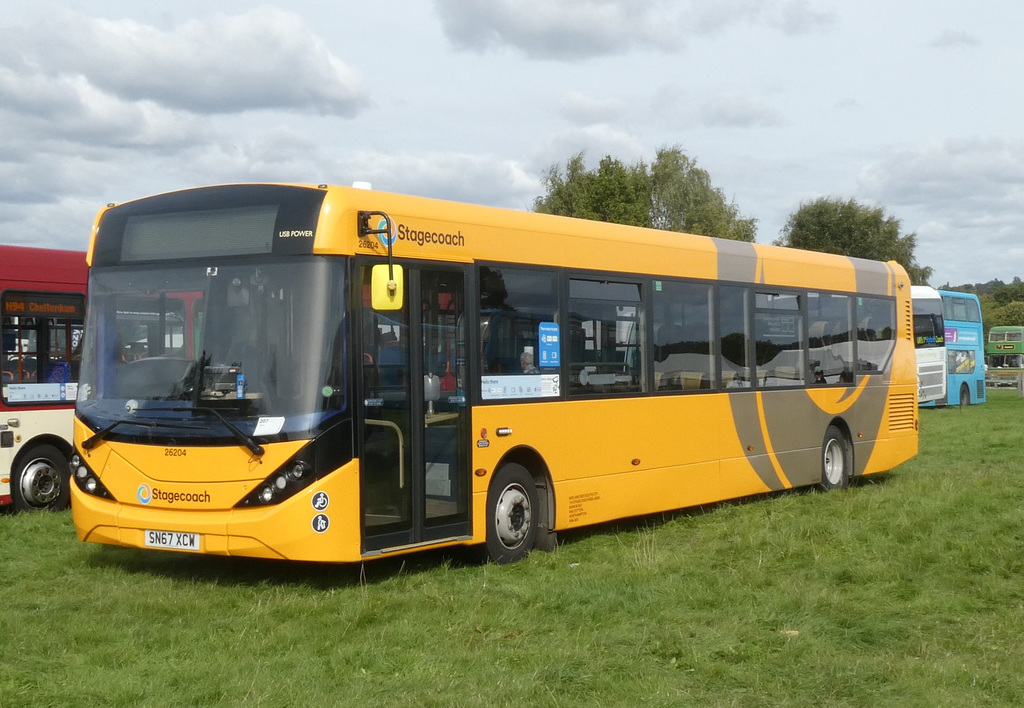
<point x="965" y="395"/>
<point x="836" y="460"/>
<point x="512" y="514"/>
<point x="42" y="480"/>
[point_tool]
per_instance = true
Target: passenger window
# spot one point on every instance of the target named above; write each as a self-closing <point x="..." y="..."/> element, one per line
<point x="520" y="336"/>
<point x="734" y="330"/>
<point x="779" y="342"/>
<point x="876" y="333"/>
<point x="829" y="338"/>
<point x="683" y="357"/>
<point x="606" y="337"/>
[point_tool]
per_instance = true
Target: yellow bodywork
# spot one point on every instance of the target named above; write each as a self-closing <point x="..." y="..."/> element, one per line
<point x="606" y="459"/>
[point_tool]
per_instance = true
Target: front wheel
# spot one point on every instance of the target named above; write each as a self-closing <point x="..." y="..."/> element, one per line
<point x="512" y="514"/>
<point x="836" y="460"/>
<point x="42" y="480"/>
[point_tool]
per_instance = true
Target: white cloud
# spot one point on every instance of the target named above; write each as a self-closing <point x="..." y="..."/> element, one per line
<point x="569" y="29"/>
<point x="970" y="175"/>
<point x="476" y="179"/>
<point x="965" y="200"/>
<point x="594" y="141"/>
<point x="952" y="39"/>
<point x="676" y="107"/>
<point x="578" y="29"/>
<point x="261" y="59"/>
<point x="69" y="110"/>
<point x="737" y="111"/>
<point x="586" y="110"/>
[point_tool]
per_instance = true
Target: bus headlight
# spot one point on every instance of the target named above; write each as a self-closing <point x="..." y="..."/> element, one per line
<point x="87" y="480"/>
<point x="297" y="471"/>
<point x="287" y="480"/>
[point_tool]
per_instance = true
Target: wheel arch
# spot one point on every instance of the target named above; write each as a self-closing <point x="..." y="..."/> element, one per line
<point x="844" y="428"/>
<point x="539" y="470"/>
<point x="45" y="439"/>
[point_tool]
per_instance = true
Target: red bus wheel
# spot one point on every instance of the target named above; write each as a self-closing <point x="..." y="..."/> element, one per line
<point x="42" y="480"/>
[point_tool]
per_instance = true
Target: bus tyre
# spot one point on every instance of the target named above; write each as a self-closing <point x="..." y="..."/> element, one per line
<point x="965" y="395"/>
<point x="836" y="460"/>
<point x="42" y="480"/>
<point x="512" y="510"/>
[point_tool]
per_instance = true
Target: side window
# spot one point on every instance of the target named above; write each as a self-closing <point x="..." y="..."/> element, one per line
<point x="40" y="346"/>
<point x="973" y="311"/>
<point x="605" y="336"/>
<point x="876" y="333"/>
<point x="520" y="335"/>
<point x="829" y="338"/>
<point x="779" y="341"/>
<point x="734" y="330"/>
<point x="683" y="357"/>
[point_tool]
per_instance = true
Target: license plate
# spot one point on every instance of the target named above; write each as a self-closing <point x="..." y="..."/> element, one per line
<point x="176" y="540"/>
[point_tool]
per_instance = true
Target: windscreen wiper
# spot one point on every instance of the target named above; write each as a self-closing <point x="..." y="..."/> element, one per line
<point x="247" y="441"/>
<point x="90" y="442"/>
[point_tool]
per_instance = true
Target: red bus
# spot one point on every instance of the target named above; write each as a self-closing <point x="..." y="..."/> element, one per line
<point x="42" y="301"/>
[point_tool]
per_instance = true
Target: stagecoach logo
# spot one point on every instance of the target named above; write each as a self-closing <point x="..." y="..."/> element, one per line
<point x="386" y="239"/>
<point x="419" y="237"/>
<point x="146" y="495"/>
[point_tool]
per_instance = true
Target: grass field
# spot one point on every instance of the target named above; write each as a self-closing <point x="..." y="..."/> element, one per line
<point x="907" y="589"/>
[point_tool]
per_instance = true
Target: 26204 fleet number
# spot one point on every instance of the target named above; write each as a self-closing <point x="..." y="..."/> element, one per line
<point x="174" y="452"/>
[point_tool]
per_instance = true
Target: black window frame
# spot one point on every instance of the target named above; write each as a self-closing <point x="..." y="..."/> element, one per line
<point x="647" y="343"/>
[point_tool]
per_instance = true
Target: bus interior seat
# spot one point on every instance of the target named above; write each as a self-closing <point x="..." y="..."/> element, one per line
<point x="58" y="372"/>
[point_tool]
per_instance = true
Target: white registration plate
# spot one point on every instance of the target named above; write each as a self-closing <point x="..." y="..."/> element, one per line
<point x="177" y="540"/>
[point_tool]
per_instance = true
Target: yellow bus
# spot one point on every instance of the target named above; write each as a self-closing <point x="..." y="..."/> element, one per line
<point x="325" y="373"/>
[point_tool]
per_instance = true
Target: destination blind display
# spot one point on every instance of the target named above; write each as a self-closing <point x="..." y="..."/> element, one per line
<point x="37" y="305"/>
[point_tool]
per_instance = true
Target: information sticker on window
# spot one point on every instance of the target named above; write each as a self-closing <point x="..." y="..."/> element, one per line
<point x="548" y="344"/>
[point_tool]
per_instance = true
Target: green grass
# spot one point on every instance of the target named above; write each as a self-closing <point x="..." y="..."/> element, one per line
<point x="905" y="590"/>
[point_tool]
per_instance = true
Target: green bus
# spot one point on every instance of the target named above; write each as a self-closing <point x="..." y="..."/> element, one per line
<point x="1005" y="347"/>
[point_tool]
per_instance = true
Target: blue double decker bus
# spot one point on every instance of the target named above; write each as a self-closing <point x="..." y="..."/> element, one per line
<point x="965" y="348"/>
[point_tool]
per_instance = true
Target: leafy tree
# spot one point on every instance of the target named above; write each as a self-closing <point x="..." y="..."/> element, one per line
<point x="1010" y="314"/>
<point x="852" y="229"/>
<point x="672" y="194"/>
<point x="683" y="199"/>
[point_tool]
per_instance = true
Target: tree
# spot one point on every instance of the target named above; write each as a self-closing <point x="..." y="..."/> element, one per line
<point x="673" y="194"/>
<point x="1009" y="314"/>
<point x="852" y="229"/>
<point x="683" y="199"/>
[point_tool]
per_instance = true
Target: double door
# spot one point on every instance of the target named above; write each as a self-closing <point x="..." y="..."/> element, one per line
<point x="413" y="421"/>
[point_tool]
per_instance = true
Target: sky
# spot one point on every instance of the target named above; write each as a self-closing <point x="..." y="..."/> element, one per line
<point x="912" y="106"/>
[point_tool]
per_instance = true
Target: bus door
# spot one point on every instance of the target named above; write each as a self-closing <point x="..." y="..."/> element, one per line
<point x="413" y="427"/>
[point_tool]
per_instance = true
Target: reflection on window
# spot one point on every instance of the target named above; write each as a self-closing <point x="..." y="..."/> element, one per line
<point x="260" y="341"/>
<point x="735" y="336"/>
<point x="929" y="330"/>
<point x="778" y="343"/>
<point x="683" y="358"/>
<point x="960" y="308"/>
<point x="876" y="333"/>
<point x="830" y="341"/>
<point x="40" y="356"/>
<point x="605" y="333"/>
<point x="520" y="335"/>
